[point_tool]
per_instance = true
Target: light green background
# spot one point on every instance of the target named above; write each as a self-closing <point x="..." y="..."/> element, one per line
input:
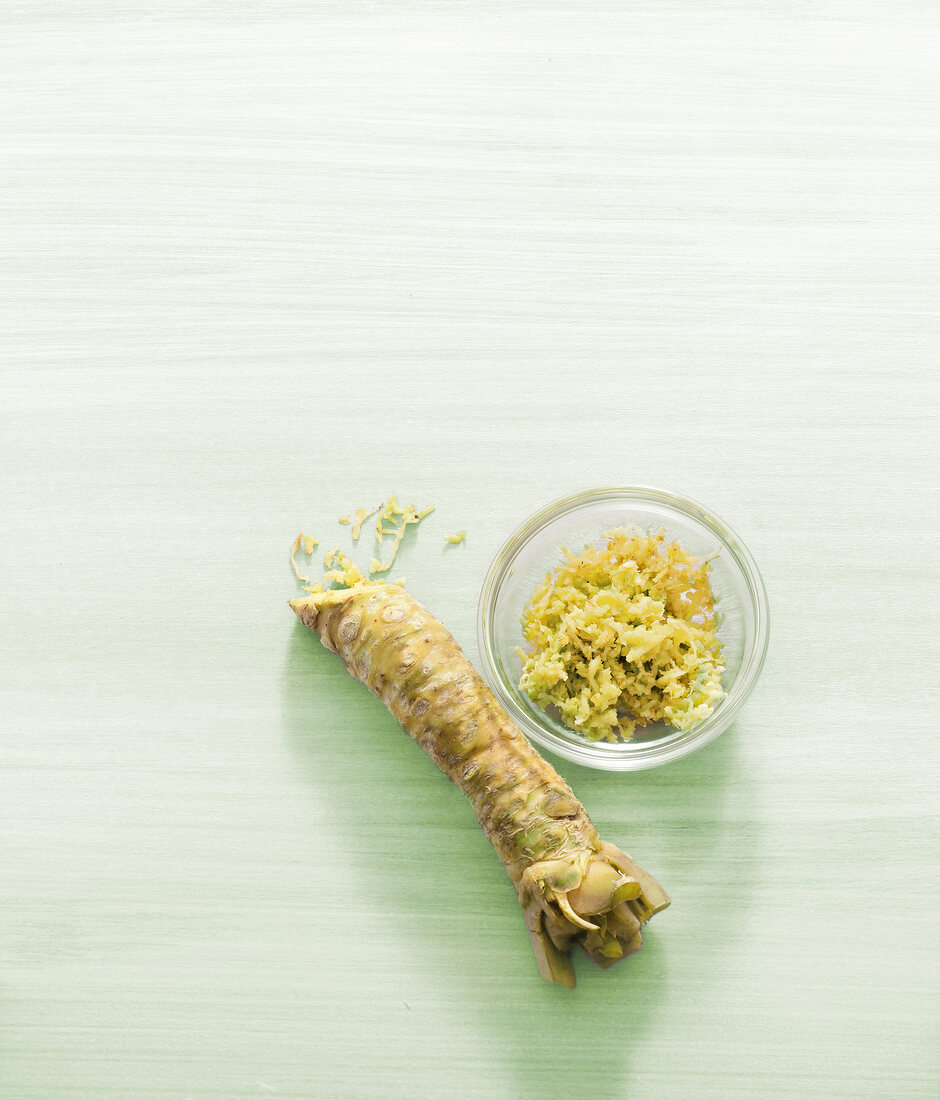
<point x="260" y="268"/>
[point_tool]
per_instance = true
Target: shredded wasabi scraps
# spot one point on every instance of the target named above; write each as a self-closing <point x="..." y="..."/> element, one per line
<point x="459" y="537"/>
<point x="308" y="543"/>
<point x="359" y="518"/>
<point x="293" y="559"/>
<point x="623" y="635"/>
<point x="392" y="522"/>
<point x="346" y="572"/>
<point x="392" y="514"/>
<point x="387" y="512"/>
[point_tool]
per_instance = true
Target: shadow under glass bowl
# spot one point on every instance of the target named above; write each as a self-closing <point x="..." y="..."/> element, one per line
<point x="581" y="520"/>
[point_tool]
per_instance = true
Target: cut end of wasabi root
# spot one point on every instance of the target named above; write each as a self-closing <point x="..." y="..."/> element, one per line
<point x="347" y="575"/>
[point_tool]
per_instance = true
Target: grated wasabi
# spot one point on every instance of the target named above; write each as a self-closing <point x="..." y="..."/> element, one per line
<point x="623" y="635"/>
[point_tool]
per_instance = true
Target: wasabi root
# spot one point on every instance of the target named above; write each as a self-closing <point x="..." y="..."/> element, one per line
<point x="575" y="889"/>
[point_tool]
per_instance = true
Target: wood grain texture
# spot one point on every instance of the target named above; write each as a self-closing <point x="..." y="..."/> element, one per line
<point x="258" y="268"/>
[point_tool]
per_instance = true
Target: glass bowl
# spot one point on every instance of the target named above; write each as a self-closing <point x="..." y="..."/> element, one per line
<point x="581" y="520"/>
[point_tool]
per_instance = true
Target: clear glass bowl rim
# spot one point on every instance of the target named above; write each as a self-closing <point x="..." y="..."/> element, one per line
<point x="652" y="753"/>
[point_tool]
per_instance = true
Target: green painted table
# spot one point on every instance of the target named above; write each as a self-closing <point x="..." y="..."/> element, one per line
<point x="259" y="268"/>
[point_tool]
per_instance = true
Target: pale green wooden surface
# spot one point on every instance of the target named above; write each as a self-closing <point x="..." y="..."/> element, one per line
<point x="257" y="270"/>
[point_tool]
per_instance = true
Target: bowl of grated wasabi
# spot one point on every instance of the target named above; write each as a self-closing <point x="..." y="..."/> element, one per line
<point x="623" y="628"/>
